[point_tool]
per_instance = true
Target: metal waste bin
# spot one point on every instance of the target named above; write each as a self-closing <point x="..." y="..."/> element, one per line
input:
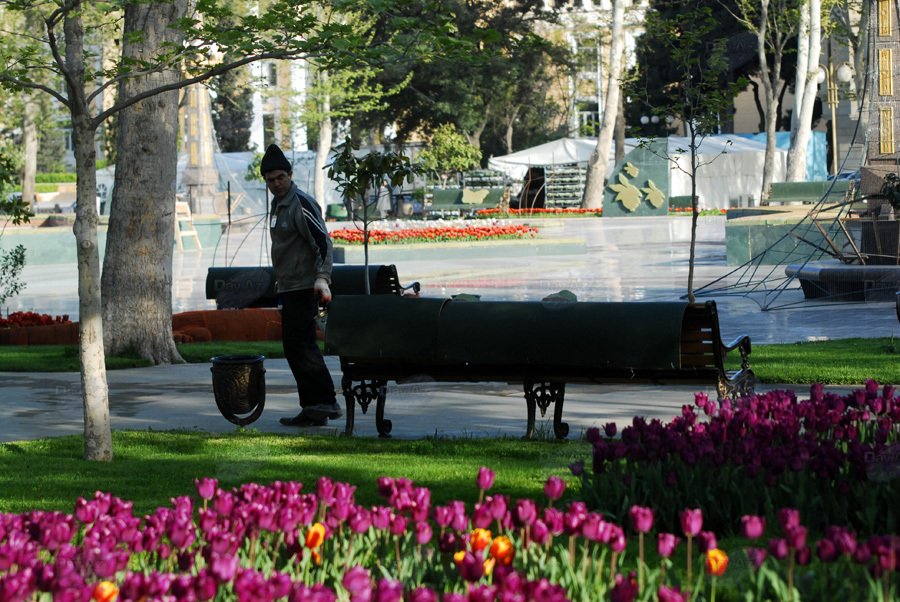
<point x="239" y="386"/>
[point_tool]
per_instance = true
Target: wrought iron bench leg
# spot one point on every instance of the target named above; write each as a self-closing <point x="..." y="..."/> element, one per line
<point x="365" y="393"/>
<point x="542" y="396"/>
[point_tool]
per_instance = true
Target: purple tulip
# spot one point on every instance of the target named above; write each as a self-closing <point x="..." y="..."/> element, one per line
<point x="485" y="479"/>
<point x="691" y="521"/>
<point x="325" y="490"/>
<point x="577" y="468"/>
<point x="448" y="543"/>
<point x="667" y="594"/>
<point x="706" y="541"/>
<point x="442" y="516"/>
<point x="666" y="544"/>
<point x="795" y="535"/>
<point x="398" y="524"/>
<point x="826" y="550"/>
<point x="610" y="429"/>
<point x="389" y="590"/>
<point x="525" y="512"/>
<point x="616" y="539"/>
<point x="789" y="517"/>
<point x="423" y="594"/>
<point x="360" y="520"/>
<point x="86" y="512"/>
<point x="540" y="533"/>
<point x="804" y="555"/>
<point x="423" y="533"/>
<point x="754" y="526"/>
<point x="223" y="567"/>
<point x="471" y="566"/>
<point x="778" y="548"/>
<point x="206" y="488"/>
<point x="625" y="589"/>
<point x="554" y="488"/>
<point x="641" y="519"/>
<point x="358" y="582"/>
<point x="553" y="518"/>
<point x="756" y="556"/>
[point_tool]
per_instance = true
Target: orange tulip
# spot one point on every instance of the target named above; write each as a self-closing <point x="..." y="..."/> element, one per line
<point x="481" y="538"/>
<point x="459" y="556"/>
<point x="315" y="536"/>
<point x="105" y="591"/>
<point x="502" y="549"/>
<point x="489" y="565"/>
<point x="716" y="562"/>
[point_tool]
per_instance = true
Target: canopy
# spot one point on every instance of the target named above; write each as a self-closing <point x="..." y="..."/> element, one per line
<point x="721" y="179"/>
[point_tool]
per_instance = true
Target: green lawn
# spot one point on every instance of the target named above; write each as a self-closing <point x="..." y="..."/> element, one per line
<point x="150" y="467"/>
<point x="837" y="362"/>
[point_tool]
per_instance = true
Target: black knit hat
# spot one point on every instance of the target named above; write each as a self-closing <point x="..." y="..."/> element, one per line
<point x="274" y="160"/>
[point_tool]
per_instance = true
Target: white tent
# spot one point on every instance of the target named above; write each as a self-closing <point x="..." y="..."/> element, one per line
<point x="721" y="179"/>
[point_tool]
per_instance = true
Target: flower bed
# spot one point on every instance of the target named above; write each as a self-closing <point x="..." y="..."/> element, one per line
<point x="434" y="234"/>
<point x="20" y="319"/>
<point x="542" y="212"/>
<point x="278" y="542"/>
<point x="836" y="458"/>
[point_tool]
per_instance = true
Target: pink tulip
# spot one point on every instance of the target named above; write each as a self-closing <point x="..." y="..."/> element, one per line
<point x="666" y="544"/>
<point x="485" y="479"/>
<point x="691" y="521"/>
<point x="641" y="519"/>
<point x="554" y="488"/>
<point x="754" y="526"/>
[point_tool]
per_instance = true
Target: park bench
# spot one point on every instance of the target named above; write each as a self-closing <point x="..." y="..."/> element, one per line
<point x="798" y="193"/>
<point x="243" y="287"/>
<point x="542" y="345"/>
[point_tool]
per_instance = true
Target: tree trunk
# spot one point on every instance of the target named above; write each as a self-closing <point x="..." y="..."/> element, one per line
<point x="97" y="433"/>
<point x="597" y="164"/>
<point x="137" y="270"/>
<point x="324" y="146"/>
<point x="30" y="144"/>
<point x="620" y="131"/>
<point x="808" y="72"/>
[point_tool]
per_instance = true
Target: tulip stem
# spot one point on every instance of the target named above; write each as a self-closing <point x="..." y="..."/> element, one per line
<point x="641" y="562"/>
<point x="689" y="575"/>
<point x="612" y="568"/>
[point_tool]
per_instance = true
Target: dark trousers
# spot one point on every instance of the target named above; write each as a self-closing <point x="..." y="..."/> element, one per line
<point x="298" y="335"/>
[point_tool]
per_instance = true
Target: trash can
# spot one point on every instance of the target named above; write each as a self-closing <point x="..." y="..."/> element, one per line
<point x="239" y="386"/>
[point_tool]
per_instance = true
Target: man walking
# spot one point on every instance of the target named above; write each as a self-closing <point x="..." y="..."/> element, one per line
<point x="302" y="259"/>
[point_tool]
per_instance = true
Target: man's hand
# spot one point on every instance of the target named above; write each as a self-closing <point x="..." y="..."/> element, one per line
<point x="323" y="292"/>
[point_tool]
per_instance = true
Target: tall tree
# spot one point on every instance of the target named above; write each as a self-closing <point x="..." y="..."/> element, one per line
<point x="435" y="95"/>
<point x="775" y="23"/>
<point x="599" y="159"/>
<point x="283" y="31"/>
<point x="137" y="268"/>
<point x="809" y="49"/>
<point x="699" y="97"/>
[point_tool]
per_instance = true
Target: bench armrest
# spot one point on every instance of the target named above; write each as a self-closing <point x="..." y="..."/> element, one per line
<point x="742" y="344"/>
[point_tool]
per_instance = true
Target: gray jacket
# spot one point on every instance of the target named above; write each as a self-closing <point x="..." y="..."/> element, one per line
<point x="301" y="246"/>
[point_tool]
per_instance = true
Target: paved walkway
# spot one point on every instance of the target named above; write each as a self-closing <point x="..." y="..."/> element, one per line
<point x="627" y="259"/>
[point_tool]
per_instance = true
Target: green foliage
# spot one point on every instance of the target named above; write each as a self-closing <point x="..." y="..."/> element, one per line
<point x="56" y="177"/>
<point x="11" y="264"/>
<point x="355" y="176"/>
<point x="448" y="151"/>
<point x="891" y="189"/>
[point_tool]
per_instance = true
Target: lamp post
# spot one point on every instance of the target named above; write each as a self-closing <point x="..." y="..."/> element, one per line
<point x="834" y="75"/>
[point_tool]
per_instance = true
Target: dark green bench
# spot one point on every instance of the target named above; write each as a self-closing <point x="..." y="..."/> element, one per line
<point x="798" y="193"/>
<point x="542" y="345"/>
<point x="241" y="287"/>
<point x="463" y="201"/>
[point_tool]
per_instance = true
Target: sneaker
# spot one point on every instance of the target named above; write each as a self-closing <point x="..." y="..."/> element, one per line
<point x="303" y="420"/>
